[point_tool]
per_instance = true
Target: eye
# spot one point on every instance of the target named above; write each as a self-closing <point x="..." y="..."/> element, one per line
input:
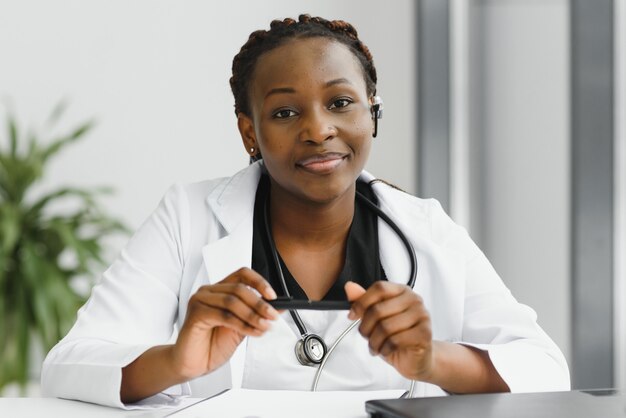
<point x="283" y="114"/>
<point x="340" y="103"/>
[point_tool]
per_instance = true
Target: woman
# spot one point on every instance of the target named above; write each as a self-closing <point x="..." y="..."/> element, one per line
<point x="185" y="307"/>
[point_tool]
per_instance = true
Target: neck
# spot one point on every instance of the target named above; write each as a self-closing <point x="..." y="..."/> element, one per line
<point x="314" y="225"/>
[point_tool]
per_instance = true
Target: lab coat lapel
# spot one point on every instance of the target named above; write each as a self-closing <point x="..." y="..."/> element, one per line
<point x="233" y="206"/>
<point x="221" y="258"/>
<point x="229" y="253"/>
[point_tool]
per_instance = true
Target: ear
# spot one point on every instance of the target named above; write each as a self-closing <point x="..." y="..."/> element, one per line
<point x="248" y="134"/>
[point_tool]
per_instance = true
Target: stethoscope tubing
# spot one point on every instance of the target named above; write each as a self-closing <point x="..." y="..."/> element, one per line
<point x="292" y="305"/>
<point x="268" y="233"/>
<point x="310" y="304"/>
<point x="399" y="233"/>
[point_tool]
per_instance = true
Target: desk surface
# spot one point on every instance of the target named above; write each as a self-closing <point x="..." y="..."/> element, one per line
<point x="51" y="407"/>
<point x="235" y="403"/>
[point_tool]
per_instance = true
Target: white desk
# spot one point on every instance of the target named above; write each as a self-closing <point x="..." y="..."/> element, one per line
<point x="51" y="407"/>
<point x="237" y="403"/>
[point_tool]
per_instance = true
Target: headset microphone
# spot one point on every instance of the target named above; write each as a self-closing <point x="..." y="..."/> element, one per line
<point x="377" y="112"/>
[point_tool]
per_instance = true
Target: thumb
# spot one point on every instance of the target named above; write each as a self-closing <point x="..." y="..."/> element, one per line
<point x="353" y="291"/>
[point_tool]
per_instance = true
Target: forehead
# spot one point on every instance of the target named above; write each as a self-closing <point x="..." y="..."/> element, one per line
<point x="306" y="62"/>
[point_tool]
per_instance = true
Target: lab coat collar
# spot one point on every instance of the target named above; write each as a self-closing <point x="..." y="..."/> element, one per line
<point x="232" y="201"/>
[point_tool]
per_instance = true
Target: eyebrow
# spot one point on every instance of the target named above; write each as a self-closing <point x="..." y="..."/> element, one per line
<point x="291" y="90"/>
<point x="280" y="90"/>
<point x="338" y="81"/>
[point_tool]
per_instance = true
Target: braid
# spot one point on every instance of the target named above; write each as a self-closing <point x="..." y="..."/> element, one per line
<point x="280" y="31"/>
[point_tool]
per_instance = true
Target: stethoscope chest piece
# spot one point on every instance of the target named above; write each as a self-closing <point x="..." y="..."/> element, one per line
<point x="310" y="350"/>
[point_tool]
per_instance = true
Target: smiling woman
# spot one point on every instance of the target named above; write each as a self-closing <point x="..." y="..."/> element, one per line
<point x="320" y="101"/>
<point x="301" y="221"/>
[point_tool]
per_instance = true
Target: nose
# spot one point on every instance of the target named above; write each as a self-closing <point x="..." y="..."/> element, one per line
<point x="317" y="127"/>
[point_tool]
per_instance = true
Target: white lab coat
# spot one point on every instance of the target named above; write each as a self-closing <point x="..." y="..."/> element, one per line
<point x="202" y="232"/>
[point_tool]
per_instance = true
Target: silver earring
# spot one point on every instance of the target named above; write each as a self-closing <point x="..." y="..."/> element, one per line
<point x="251" y="150"/>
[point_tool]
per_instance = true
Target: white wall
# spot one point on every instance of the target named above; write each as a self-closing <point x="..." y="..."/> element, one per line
<point x="521" y="152"/>
<point x="155" y="76"/>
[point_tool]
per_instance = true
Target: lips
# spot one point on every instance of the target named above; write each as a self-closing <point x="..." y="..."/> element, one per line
<point x="322" y="163"/>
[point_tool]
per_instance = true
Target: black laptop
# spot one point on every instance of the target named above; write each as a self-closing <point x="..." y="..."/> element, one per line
<point x="574" y="404"/>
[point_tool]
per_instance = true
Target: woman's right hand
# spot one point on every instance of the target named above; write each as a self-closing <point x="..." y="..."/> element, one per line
<point x="219" y="317"/>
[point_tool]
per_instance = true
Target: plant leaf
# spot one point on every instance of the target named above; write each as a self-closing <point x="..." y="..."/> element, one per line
<point x="57" y="112"/>
<point x="9" y="228"/>
<point x="12" y="135"/>
<point x="59" y="143"/>
<point x="87" y="196"/>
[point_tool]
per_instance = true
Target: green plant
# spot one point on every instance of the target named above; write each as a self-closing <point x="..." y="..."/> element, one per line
<point x="37" y="301"/>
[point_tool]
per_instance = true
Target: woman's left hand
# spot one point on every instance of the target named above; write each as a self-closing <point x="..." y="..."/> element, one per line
<point x="396" y="325"/>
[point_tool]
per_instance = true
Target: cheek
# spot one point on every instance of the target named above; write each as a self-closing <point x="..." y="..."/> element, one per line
<point x="264" y="137"/>
<point x="364" y="151"/>
<point x="275" y="149"/>
<point x="364" y="124"/>
<point x="362" y="133"/>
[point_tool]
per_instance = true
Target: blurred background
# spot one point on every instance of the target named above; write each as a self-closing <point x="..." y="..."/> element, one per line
<point x="510" y="112"/>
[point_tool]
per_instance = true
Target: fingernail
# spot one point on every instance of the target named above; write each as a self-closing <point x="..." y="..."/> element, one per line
<point x="272" y="312"/>
<point x="264" y="323"/>
<point x="271" y="292"/>
<point x="351" y="314"/>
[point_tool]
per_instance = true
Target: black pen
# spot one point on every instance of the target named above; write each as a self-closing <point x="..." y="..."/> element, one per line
<point x="304" y="304"/>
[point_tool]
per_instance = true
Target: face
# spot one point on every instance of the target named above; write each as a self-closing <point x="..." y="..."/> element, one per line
<point x="310" y="118"/>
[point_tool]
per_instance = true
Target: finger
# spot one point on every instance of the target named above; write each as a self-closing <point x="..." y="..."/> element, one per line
<point x="412" y="318"/>
<point x="353" y="291"/>
<point x="212" y="316"/>
<point x="253" y="279"/>
<point x="387" y="308"/>
<point x="230" y="305"/>
<point x="249" y="297"/>
<point x="377" y="292"/>
<point x="418" y="338"/>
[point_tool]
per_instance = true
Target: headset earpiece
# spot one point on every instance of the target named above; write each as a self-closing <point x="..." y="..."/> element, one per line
<point x="377" y="112"/>
<point x="377" y="107"/>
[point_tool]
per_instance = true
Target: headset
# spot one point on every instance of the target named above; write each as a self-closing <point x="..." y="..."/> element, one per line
<point x="377" y="112"/>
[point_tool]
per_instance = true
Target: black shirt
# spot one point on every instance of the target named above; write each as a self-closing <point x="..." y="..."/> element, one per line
<point x="362" y="264"/>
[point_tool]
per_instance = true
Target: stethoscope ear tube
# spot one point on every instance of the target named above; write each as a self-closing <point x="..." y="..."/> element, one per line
<point x="398" y="231"/>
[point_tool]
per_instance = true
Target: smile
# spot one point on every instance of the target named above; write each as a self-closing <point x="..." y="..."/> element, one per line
<point x="322" y="163"/>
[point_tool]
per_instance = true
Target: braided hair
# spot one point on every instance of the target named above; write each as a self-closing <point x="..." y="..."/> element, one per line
<point x="281" y="31"/>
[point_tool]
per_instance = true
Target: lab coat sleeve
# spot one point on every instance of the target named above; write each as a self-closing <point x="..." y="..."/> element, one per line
<point x="522" y="353"/>
<point x="131" y="309"/>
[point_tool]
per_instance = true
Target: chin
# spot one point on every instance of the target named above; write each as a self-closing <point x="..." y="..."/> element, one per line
<point x="326" y="193"/>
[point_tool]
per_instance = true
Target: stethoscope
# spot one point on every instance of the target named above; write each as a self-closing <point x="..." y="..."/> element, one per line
<point x="311" y="349"/>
